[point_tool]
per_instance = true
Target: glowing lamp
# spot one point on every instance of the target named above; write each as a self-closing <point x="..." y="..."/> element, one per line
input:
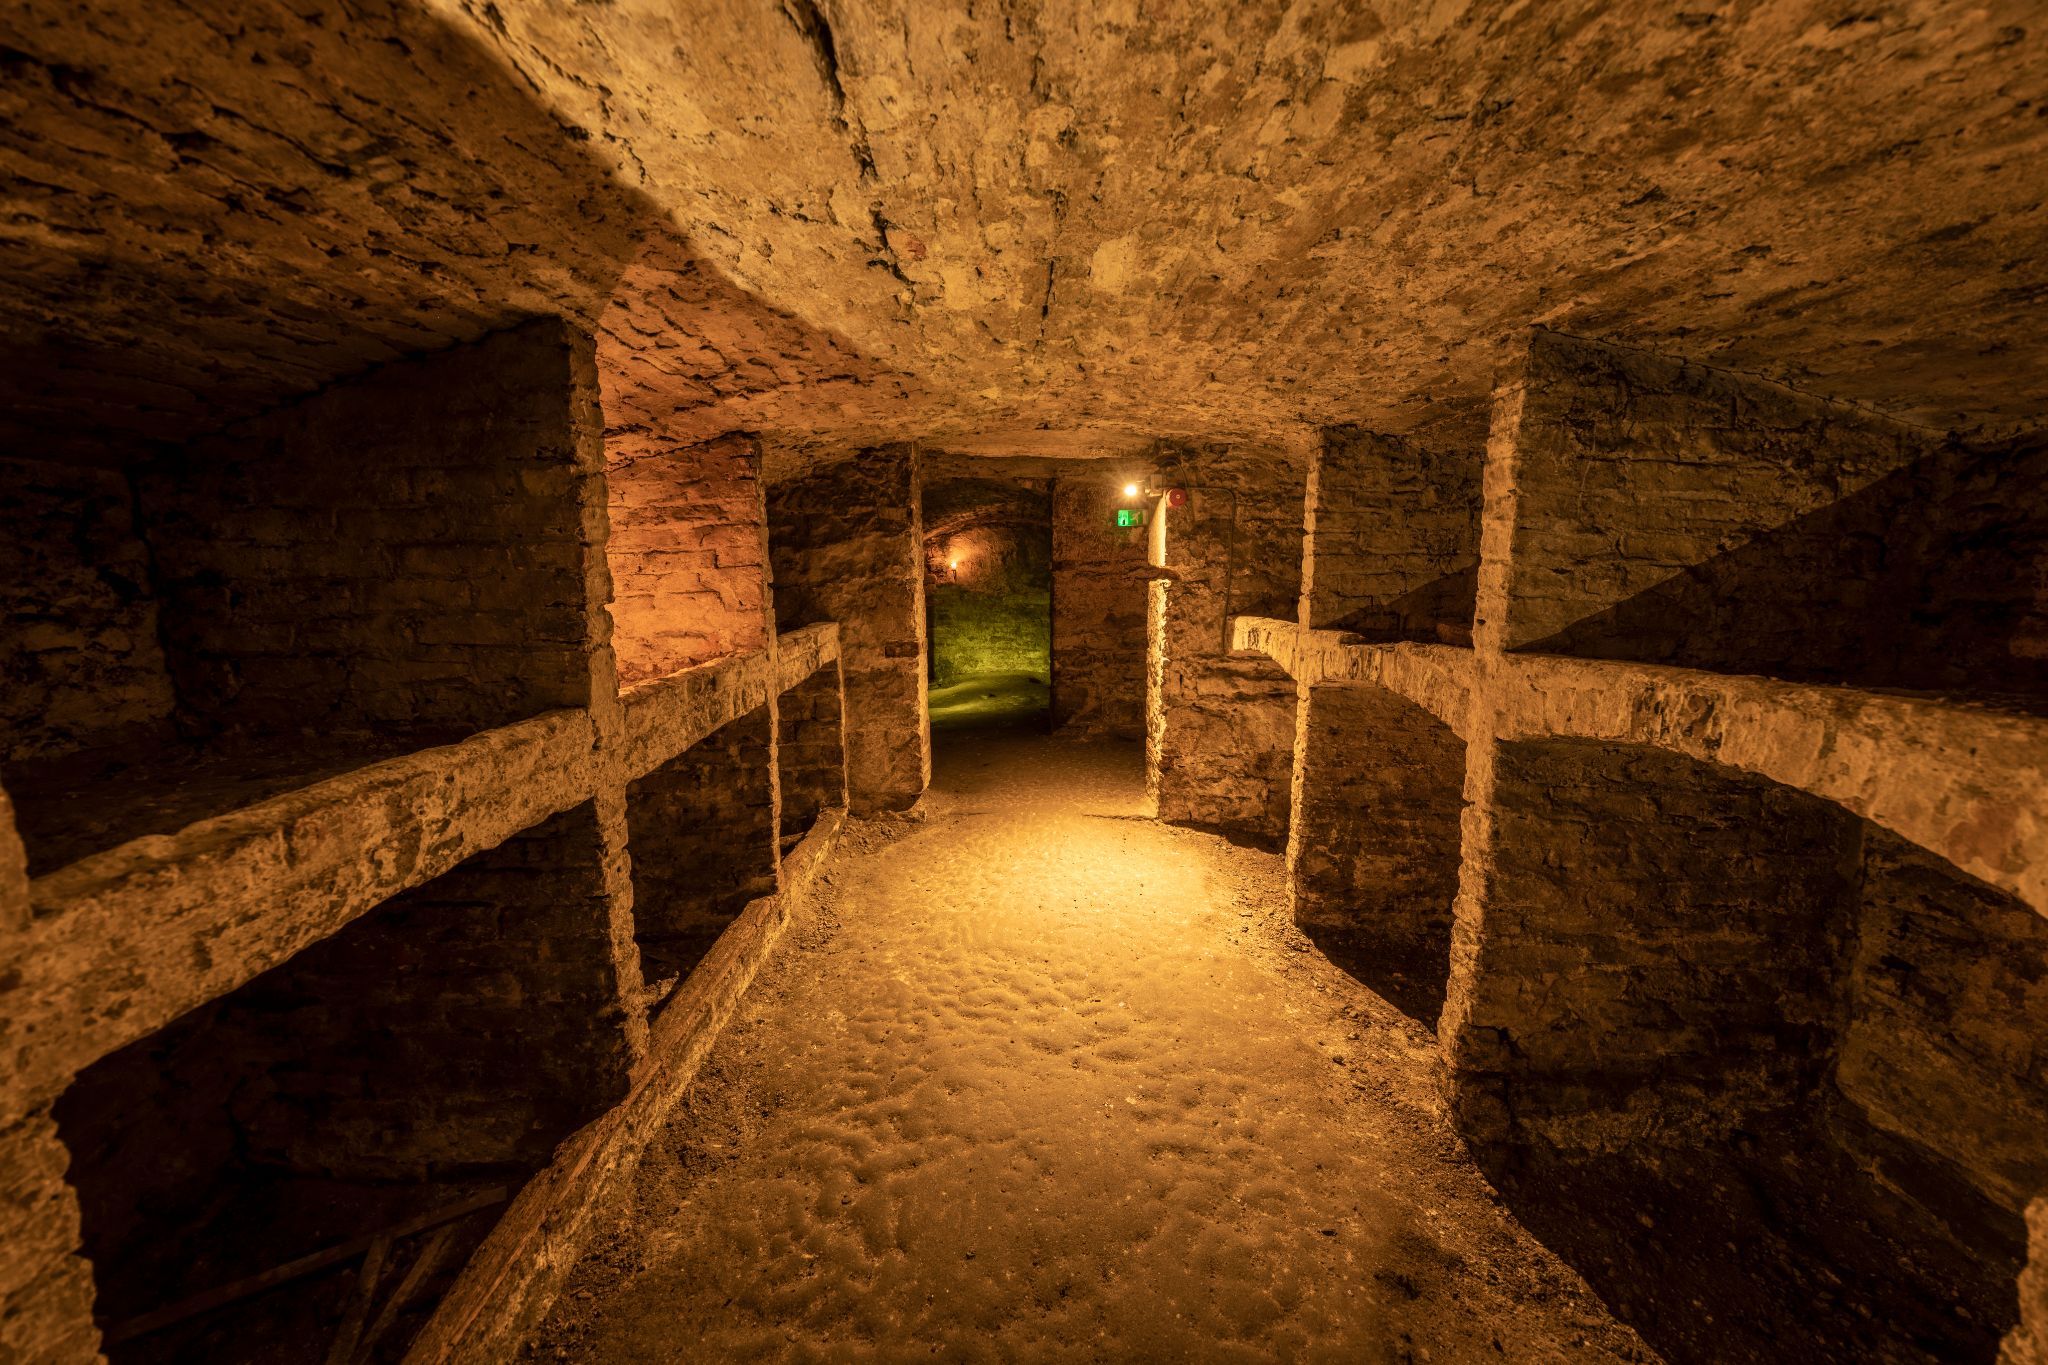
<point x="1130" y="490"/>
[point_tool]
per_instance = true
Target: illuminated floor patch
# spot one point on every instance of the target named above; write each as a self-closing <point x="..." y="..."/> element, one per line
<point x="1050" y="1080"/>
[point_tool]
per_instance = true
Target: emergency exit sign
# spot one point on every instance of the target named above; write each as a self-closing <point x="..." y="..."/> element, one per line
<point x="1130" y="516"/>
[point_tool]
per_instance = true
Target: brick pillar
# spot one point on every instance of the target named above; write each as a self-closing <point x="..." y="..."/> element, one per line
<point x="847" y="546"/>
<point x="45" y="1286"/>
<point x="1220" y="726"/>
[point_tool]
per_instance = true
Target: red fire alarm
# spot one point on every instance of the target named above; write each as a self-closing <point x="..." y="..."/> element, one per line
<point x="1176" y="497"/>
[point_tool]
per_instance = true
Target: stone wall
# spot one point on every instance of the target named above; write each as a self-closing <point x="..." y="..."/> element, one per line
<point x="1613" y="472"/>
<point x="1099" y="610"/>
<point x="411" y="547"/>
<point x="688" y="553"/>
<point x="1944" y="1044"/>
<point x="1372" y="848"/>
<point x="1647" y="949"/>
<point x="465" y="1026"/>
<point x="809" y="753"/>
<point x="1932" y="578"/>
<point x="1221" y="726"/>
<point x="46" y="1289"/>
<point x="78" y="618"/>
<point x="847" y="546"/>
<point x="702" y="830"/>
<point x="1392" y="528"/>
<point x="988" y="579"/>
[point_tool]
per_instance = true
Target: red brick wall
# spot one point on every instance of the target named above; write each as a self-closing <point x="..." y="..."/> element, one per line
<point x="689" y="556"/>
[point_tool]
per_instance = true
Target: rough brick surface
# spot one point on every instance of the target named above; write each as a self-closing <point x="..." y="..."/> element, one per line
<point x="1099" y="609"/>
<point x="1372" y="844"/>
<point x="810" y="755"/>
<point x="704" y="842"/>
<point x="847" y="546"/>
<point x="1647" y="949"/>
<point x="1932" y="578"/>
<point x="78" y="617"/>
<point x="688" y="555"/>
<point x="1944" y="1042"/>
<point x="409" y="547"/>
<point x="1611" y="472"/>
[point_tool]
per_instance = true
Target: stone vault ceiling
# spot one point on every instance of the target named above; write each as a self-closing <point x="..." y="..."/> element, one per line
<point x="1249" y="219"/>
<point x="1026" y="227"/>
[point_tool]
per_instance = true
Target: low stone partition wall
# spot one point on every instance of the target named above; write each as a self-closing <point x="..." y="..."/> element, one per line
<point x="153" y="947"/>
<point x="1968" y="784"/>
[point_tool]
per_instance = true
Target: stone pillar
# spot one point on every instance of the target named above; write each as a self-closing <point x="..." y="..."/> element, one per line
<point x="847" y="546"/>
<point x="1099" y="609"/>
<point x="1221" y="727"/>
<point x="46" y="1290"/>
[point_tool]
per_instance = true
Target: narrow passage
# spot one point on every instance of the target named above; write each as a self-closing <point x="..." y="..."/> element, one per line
<point x="1041" y="1078"/>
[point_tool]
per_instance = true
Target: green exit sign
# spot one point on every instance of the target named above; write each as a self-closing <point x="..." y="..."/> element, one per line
<point x="1130" y="516"/>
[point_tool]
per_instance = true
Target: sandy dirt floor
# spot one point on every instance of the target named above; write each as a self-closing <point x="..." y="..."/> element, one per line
<point x="1040" y="1078"/>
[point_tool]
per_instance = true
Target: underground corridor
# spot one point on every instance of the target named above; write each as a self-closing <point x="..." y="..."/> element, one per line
<point x="821" y="680"/>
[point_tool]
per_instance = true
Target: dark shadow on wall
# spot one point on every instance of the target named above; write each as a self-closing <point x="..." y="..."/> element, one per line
<point x="1374" y="852"/>
<point x="1438" y="612"/>
<point x="1775" y="1246"/>
<point x="1934" y="578"/>
<point x="1775" y="1099"/>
